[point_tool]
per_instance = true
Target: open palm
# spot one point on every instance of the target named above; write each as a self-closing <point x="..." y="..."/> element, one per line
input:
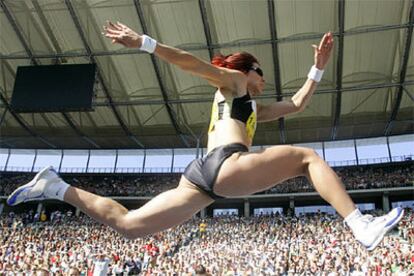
<point x="323" y="51"/>
<point x="122" y="34"/>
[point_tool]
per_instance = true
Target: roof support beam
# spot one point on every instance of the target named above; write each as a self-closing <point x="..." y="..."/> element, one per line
<point x="164" y="93"/>
<point x="30" y="55"/>
<point x="205" y="100"/>
<point x="78" y="132"/>
<point x="209" y="40"/>
<point x="206" y="26"/>
<point x="24" y="126"/>
<point x="75" y="19"/>
<point x="339" y="68"/>
<point x="213" y="46"/>
<point x="3" y="115"/>
<point x="409" y="94"/>
<point x="276" y="65"/>
<point x="17" y="31"/>
<point x="122" y="91"/>
<point x="48" y="29"/>
<point x="403" y="72"/>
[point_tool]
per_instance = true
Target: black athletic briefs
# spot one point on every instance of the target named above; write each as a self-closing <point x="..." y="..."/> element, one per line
<point x="203" y="171"/>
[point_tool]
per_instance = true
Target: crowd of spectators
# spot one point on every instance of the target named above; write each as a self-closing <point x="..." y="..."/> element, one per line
<point x="357" y="178"/>
<point x="141" y="185"/>
<point x="312" y="244"/>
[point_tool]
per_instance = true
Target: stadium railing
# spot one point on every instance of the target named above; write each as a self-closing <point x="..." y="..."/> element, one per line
<point x="342" y="163"/>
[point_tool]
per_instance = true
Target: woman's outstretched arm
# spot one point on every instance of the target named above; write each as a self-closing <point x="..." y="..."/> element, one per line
<point x="218" y="77"/>
<point x="301" y="98"/>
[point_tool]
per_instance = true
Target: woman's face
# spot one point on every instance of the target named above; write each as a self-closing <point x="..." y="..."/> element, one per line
<point x="255" y="80"/>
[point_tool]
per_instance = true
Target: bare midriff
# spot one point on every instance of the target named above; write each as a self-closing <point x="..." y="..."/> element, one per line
<point x="226" y="132"/>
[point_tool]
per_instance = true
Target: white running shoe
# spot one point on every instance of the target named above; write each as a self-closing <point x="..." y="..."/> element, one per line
<point x="374" y="228"/>
<point x="37" y="189"/>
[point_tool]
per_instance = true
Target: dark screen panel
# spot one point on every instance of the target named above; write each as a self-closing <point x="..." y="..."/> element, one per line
<point x="53" y="88"/>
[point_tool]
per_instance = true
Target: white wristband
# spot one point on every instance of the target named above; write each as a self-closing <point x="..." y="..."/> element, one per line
<point x="315" y="74"/>
<point x="148" y="44"/>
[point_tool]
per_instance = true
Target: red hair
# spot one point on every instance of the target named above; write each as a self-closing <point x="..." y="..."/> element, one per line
<point x="242" y="61"/>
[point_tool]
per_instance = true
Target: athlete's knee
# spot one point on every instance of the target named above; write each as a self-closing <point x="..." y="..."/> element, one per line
<point x="310" y="155"/>
<point x="307" y="156"/>
<point x="128" y="230"/>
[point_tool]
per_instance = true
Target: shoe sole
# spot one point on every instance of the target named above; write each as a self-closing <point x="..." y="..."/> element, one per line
<point x="390" y="225"/>
<point x="11" y="200"/>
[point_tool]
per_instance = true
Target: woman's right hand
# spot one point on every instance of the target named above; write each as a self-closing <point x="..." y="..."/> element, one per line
<point x="122" y="34"/>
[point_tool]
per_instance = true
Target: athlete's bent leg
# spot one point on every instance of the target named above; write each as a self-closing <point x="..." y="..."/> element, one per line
<point x="248" y="173"/>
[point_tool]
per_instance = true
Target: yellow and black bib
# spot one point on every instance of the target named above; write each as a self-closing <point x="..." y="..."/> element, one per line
<point x="243" y="109"/>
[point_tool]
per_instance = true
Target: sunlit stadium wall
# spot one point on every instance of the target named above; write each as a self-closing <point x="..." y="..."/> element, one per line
<point x="336" y="153"/>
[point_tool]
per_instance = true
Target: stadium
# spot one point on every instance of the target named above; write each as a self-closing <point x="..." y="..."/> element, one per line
<point x="125" y="123"/>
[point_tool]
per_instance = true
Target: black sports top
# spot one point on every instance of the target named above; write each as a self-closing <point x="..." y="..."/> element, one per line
<point x="242" y="108"/>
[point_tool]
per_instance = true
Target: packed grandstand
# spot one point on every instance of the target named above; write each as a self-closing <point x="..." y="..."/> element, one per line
<point x="313" y="244"/>
<point x="59" y="240"/>
<point x="144" y="185"/>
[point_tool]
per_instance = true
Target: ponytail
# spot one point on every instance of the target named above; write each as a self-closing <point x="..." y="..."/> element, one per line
<point x="238" y="61"/>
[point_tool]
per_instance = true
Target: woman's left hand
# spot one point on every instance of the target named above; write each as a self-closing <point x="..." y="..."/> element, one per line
<point x="323" y="51"/>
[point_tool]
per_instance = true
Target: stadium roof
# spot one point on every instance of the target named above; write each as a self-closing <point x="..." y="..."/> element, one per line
<point x="142" y="102"/>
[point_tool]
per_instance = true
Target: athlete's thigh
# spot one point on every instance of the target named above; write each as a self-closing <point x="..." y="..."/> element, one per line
<point x="252" y="172"/>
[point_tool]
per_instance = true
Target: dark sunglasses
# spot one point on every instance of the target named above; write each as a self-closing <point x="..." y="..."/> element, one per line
<point x="257" y="70"/>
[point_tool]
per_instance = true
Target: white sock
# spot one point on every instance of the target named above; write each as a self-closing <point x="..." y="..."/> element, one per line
<point x="352" y="220"/>
<point x="57" y="190"/>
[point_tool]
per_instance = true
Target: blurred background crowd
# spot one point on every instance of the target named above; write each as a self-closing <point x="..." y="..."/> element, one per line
<point x="311" y="244"/>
